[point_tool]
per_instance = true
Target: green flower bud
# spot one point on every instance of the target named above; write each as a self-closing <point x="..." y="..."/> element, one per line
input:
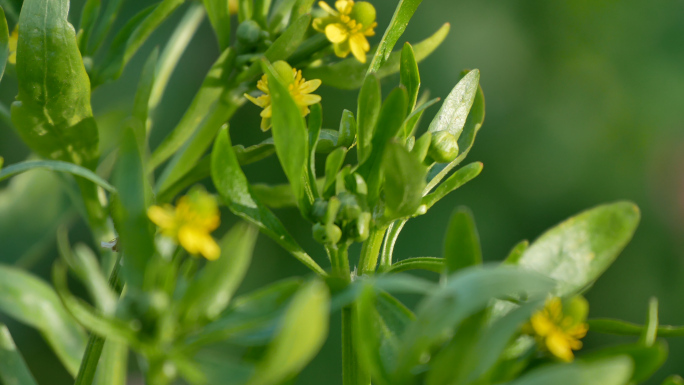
<point x="248" y="33"/>
<point x="326" y="234"/>
<point x="347" y="131"/>
<point x="319" y="209"/>
<point x="361" y="228"/>
<point x="360" y="187"/>
<point x="349" y="207"/>
<point x="443" y="147"/>
<point x="364" y="13"/>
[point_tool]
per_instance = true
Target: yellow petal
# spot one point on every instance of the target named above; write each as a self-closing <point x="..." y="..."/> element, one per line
<point x="541" y="324"/>
<point x="342" y="49"/>
<point x="309" y="99"/>
<point x="336" y="33"/>
<point x="267" y="112"/>
<point x="559" y="346"/>
<point x="310" y="86"/>
<point x="258" y="101"/>
<point x="359" y="46"/>
<point x="327" y="8"/>
<point x="163" y="217"/>
<point x="198" y="242"/>
<point x="344" y="6"/>
<point x="265" y="124"/>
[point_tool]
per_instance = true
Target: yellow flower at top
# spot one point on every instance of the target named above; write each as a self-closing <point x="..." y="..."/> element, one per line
<point x="190" y="223"/>
<point x="557" y="332"/>
<point x="347" y="27"/>
<point x="300" y="90"/>
<point x="13" y="38"/>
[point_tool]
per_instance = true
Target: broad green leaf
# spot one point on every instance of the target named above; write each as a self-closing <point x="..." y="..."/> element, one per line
<point x="395" y="29"/>
<point x="302" y="333"/>
<point x="211" y="89"/>
<point x="13" y="369"/>
<point x="516" y="252"/>
<point x="219" y="16"/>
<point x="368" y="110"/>
<point x="301" y="7"/>
<point x="461" y="242"/>
<point x="4" y="42"/>
<point x="404" y="181"/>
<point x="647" y="359"/>
<point x="462" y="176"/>
<point x="131" y="38"/>
<point x="32" y="301"/>
<point x="333" y="164"/>
<point x="349" y="74"/>
<point x="418" y="263"/>
<point x="577" y="251"/>
<point x="129" y="211"/>
<point x="456" y="107"/>
<point x="234" y="188"/>
<point x="610" y="371"/>
<point x="209" y="294"/>
<point x="648" y="337"/>
<point x="54" y="165"/>
<point x="89" y="13"/>
<point x="409" y="76"/>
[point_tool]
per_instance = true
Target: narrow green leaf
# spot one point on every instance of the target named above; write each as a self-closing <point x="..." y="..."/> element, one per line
<point x="333" y="163"/>
<point x="610" y="371"/>
<point x="349" y="74"/>
<point x="209" y="294"/>
<point x="395" y="29"/>
<point x="13" y="369"/>
<point x="404" y="181"/>
<point x="138" y="122"/>
<point x="281" y="15"/>
<point x="624" y="328"/>
<point x="260" y="11"/>
<point x="414" y="117"/>
<point x="104" y="24"/>
<point x="302" y="333"/>
<point x="577" y="251"/>
<point x="32" y="301"/>
<point x="516" y="252"/>
<point x="277" y="196"/>
<point x="232" y="184"/>
<point x="647" y="359"/>
<point x="4" y="42"/>
<point x="461" y="242"/>
<point x="368" y="332"/>
<point x="219" y="16"/>
<point x="456" y="107"/>
<point x="54" y="165"/>
<point x="314" y="128"/>
<point x="301" y="7"/>
<point x="409" y="75"/>
<point x="113" y="366"/>
<point x="456" y="180"/>
<point x="648" y="337"/>
<point x="418" y="263"/>
<point x="89" y="13"/>
<point x="368" y="110"/>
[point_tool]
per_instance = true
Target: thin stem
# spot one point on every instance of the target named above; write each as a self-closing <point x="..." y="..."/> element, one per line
<point x="388" y="246"/>
<point x="370" y="251"/>
<point x="91" y="357"/>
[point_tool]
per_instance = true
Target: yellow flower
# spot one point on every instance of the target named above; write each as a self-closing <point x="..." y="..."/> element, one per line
<point x="13" y="38"/>
<point x="347" y="27"/>
<point x="559" y="333"/>
<point x="299" y="88"/>
<point x="190" y="223"/>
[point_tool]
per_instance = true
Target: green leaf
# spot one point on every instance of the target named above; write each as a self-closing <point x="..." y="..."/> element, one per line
<point x="89" y="13"/>
<point x="49" y="63"/>
<point x="302" y="333"/>
<point x="395" y="29"/>
<point x="333" y="163"/>
<point x="219" y="16"/>
<point x="611" y="371"/>
<point x="54" y="165"/>
<point x="647" y="359"/>
<point x="280" y="16"/>
<point x="129" y="211"/>
<point x="301" y="7"/>
<point x="464" y="175"/>
<point x="32" y="301"/>
<point x="623" y="328"/>
<point x="138" y="122"/>
<point x="349" y="74"/>
<point x="104" y="24"/>
<point x="4" y="42"/>
<point x="418" y="263"/>
<point x="673" y="380"/>
<point x="516" y="252"/>
<point x="648" y="337"/>
<point x="577" y="251"/>
<point x="232" y="184"/>
<point x="456" y="107"/>
<point x="314" y="128"/>
<point x="461" y="242"/>
<point x="13" y="369"/>
<point x="404" y="181"/>
<point x="113" y="365"/>
<point x="368" y="110"/>
<point x="210" y="293"/>
<point x="409" y="76"/>
<point x="414" y="117"/>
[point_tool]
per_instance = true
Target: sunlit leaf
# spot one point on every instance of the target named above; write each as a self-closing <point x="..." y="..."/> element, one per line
<point x="462" y="242"/>
<point x="395" y="29"/>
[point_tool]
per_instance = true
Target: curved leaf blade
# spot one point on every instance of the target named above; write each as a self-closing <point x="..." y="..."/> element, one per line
<point x="55" y="165"/>
<point x="397" y="26"/>
<point x="4" y="42"/>
<point x="13" y="369"/>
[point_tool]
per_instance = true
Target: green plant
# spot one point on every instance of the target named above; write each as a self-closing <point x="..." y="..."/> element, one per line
<point x="514" y="322"/>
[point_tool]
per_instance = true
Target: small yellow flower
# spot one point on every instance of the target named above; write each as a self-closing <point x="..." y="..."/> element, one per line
<point x="13" y="38"/>
<point x="190" y="223"/>
<point x="559" y="333"/>
<point x="299" y="88"/>
<point x="348" y="26"/>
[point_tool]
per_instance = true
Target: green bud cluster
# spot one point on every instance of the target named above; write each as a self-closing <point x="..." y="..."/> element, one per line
<point x="250" y="37"/>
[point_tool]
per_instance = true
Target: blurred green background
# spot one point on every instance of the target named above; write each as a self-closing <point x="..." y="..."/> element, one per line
<point x="585" y="105"/>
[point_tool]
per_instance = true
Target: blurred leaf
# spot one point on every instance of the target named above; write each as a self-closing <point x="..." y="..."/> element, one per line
<point x="211" y="89"/>
<point x="577" y="251"/>
<point x="395" y="29"/>
<point x="349" y="74"/>
<point x="31" y="301"/>
<point x="13" y="369"/>
<point x="368" y="110"/>
<point x="368" y="333"/>
<point x="129" y="211"/>
<point x="673" y="380"/>
<point x="4" y="42"/>
<point x="219" y="16"/>
<point x="517" y="252"/>
<point x="418" y="263"/>
<point x="209" y="294"/>
<point x="409" y="76"/>
<point x="138" y="122"/>
<point x="89" y="13"/>
<point x="611" y="371"/>
<point x="302" y="333"/>
<point x="104" y="24"/>
<point x="232" y="184"/>
<point x="113" y="366"/>
<point x="404" y="181"/>
<point x="415" y="116"/>
<point x="54" y="165"/>
<point x="648" y="337"/>
<point x="624" y="328"/>
<point x="461" y="242"/>
<point x="260" y="10"/>
<point x="462" y="176"/>
<point x="333" y="163"/>
<point x="281" y="15"/>
<point x="646" y="359"/>
<point x="314" y="128"/>
<point x="225" y="370"/>
<point x="454" y="111"/>
<point x="130" y="38"/>
<point x="301" y="7"/>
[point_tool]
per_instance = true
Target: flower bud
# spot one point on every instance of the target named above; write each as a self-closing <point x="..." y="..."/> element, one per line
<point x="326" y="234"/>
<point x="248" y="33"/>
<point x="364" y="13"/>
<point x="443" y="147"/>
<point x="361" y="228"/>
<point x="349" y="207"/>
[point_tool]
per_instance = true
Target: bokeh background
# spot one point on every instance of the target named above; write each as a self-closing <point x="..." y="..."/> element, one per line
<point x="584" y="105"/>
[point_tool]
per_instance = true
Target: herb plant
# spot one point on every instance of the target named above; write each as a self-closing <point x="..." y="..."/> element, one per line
<point x="163" y="287"/>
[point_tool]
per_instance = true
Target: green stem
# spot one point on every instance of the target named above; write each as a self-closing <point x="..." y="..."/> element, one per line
<point x="370" y="251"/>
<point x="388" y="247"/>
<point x="91" y="357"/>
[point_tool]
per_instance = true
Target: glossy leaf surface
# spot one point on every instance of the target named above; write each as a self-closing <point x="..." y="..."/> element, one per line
<point x="395" y="29"/>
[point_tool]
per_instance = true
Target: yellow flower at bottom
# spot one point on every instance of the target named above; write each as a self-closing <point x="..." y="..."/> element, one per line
<point x="190" y="222"/>
<point x="559" y="333"/>
<point x="12" y="43"/>
<point x="300" y="90"/>
<point x="347" y="27"/>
